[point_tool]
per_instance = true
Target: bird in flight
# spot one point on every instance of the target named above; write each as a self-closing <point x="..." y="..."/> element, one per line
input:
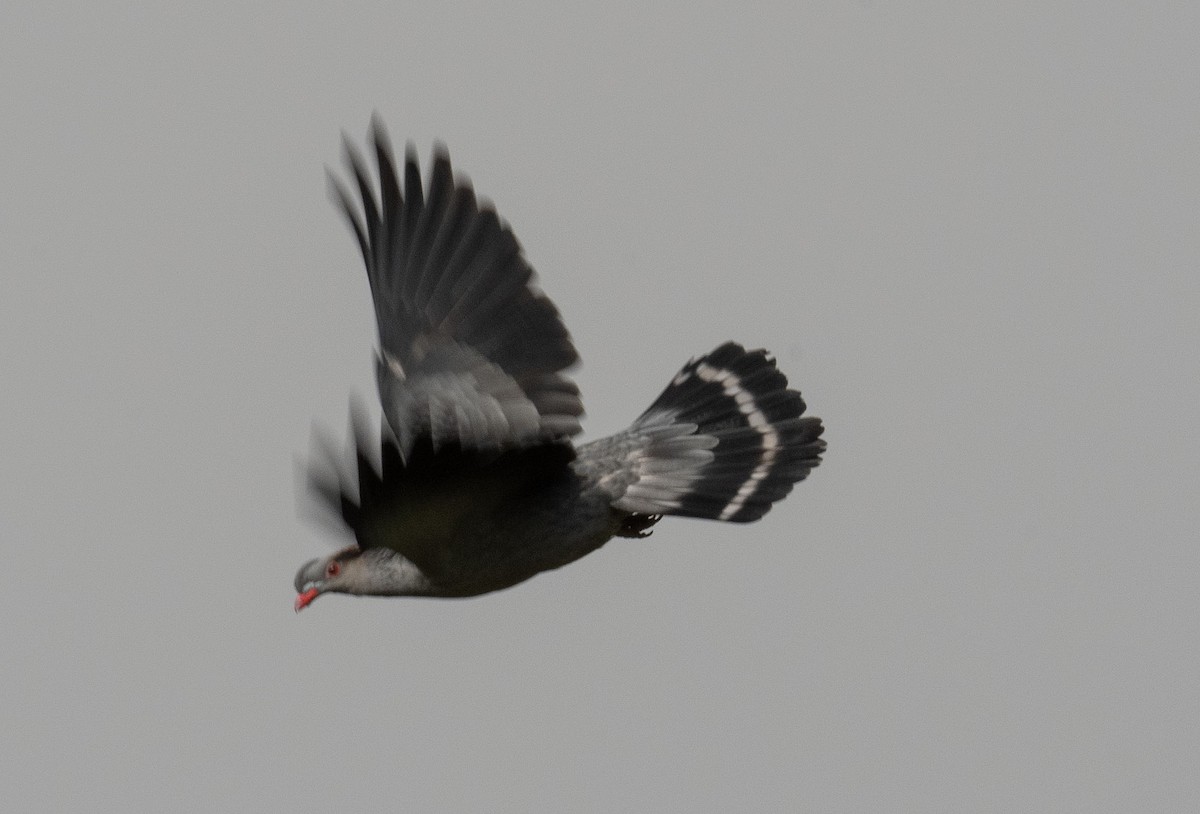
<point x="474" y="484"/>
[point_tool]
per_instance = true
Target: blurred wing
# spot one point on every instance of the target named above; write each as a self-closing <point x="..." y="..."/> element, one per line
<point x="470" y="352"/>
<point x="417" y="506"/>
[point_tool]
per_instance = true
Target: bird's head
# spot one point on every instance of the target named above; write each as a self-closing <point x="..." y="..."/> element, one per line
<point x="374" y="571"/>
<point x="337" y="573"/>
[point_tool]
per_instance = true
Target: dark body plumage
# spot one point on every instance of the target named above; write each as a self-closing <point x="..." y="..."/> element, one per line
<point x="477" y="485"/>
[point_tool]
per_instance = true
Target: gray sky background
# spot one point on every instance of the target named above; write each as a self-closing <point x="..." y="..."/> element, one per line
<point x="967" y="231"/>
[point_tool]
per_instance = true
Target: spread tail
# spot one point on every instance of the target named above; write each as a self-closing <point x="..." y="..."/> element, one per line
<point x="725" y="440"/>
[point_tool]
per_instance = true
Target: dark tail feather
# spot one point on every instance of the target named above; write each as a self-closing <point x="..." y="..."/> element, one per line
<point x="738" y="406"/>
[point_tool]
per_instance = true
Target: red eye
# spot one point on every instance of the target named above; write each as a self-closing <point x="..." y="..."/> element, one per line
<point x="333" y="569"/>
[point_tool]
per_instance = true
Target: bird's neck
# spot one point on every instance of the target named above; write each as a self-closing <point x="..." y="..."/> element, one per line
<point x="391" y="574"/>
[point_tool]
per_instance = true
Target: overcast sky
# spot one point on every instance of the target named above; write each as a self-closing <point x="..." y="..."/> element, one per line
<point x="967" y="231"/>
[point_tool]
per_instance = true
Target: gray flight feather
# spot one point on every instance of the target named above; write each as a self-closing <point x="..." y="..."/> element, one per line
<point x="470" y="352"/>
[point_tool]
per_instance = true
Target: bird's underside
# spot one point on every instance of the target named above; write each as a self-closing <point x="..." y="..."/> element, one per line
<point x="474" y="483"/>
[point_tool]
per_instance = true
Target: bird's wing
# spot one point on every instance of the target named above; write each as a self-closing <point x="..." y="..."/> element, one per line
<point x="420" y="505"/>
<point x="470" y="352"/>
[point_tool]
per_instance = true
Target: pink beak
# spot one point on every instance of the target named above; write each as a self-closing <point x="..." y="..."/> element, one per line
<point x="306" y="598"/>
